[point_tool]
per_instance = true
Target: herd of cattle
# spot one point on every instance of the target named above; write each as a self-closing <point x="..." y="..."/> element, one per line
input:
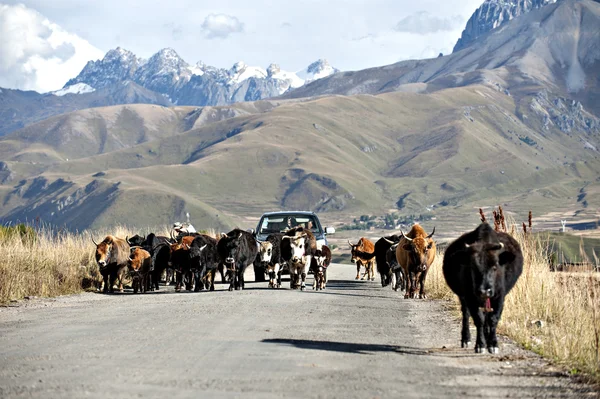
<point x="480" y="267"/>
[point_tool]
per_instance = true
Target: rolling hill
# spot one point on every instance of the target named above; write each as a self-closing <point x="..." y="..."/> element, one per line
<point x="511" y="119"/>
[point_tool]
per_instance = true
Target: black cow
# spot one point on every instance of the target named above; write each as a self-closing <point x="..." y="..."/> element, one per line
<point x="135" y="241"/>
<point x="161" y="256"/>
<point x="204" y="261"/>
<point x="270" y="260"/>
<point x="398" y="280"/>
<point x="481" y="267"/>
<point x="237" y="249"/>
<point x="383" y="267"/>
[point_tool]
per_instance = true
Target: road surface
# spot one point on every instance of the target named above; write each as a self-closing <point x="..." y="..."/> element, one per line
<point x="354" y="340"/>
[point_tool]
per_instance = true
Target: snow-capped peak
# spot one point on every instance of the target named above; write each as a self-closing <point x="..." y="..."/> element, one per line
<point x="240" y="72"/>
<point x="77" y="88"/>
<point x="317" y="70"/>
<point x="120" y="54"/>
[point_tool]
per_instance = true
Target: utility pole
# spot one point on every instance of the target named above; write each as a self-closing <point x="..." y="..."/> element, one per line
<point x="564" y="225"/>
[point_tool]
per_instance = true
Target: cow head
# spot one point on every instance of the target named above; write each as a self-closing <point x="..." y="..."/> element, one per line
<point x="485" y="267"/>
<point x="298" y="245"/>
<point x="355" y="250"/>
<point x="419" y="248"/>
<point x="231" y="247"/>
<point x="321" y="260"/>
<point x="136" y="259"/>
<point x="135" y="241"/>
<point x="265" y="252"/>
<point x="104" y="251"/>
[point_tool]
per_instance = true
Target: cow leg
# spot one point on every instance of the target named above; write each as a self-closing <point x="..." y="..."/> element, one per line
<point x="491" y="321"/>
<point x="221" y="268"/>
<point x="324" y="278"/>
<point x="357" y="270"/>
<point x="241" y="281"/>
<point x="198" y="283"/>
<point x="478" y="319"/>
<point x="276" y="275"/>
<point x="422" y="294"/>
<point x="409" y="281"/>
<point x="465" y="334"/>
<point x="105" y="277"/>
<point x="212" y="279"/>
<point x="393" y="279"/>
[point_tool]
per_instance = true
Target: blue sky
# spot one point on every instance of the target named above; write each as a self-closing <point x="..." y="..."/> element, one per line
<point x="44" y="43"/>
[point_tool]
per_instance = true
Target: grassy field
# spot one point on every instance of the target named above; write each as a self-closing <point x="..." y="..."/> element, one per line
<point x="444" y="152"/>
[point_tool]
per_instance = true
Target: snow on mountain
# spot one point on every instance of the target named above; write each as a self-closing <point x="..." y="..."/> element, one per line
<point x="77" y="88"/>
<point x="168" y="74"/>
<point x="317" y="70"/>
<point x="117" y="65"/>
<point x="493" y="13"/>
<point x="240" y="72"/>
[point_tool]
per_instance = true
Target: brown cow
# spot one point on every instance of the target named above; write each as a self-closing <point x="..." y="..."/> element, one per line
<point x="112" y="255"/>
<point x="363" y="253"/>
<point x="139" y="268"/>
<point x="180" y="262"/>
<point x="415" y="254"/>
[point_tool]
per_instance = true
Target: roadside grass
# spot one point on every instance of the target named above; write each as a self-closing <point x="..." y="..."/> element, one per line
<point x="554" y="314"/>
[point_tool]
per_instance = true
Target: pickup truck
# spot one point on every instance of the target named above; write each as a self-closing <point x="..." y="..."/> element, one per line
<point x="279" y="222"/>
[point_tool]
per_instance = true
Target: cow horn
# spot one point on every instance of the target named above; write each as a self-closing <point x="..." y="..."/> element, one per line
<point x="127" y="239"/>
<point x="403" y="236"/>
<point x="185" y="246"/>
<point x="171" y="234"/>
<point x="432" y="233"/>
<point x="130" y="259"/>
<point x="388" y="241"/>
<point x="223" y="235"/>
<point x="92" y="237"/>
<point x="352" y="245"/>
<point x="240" y="235"/>
<point x="501" y="245"/>
<point x="467" y="245"/>
<point x="284" y="237"/>
<point x="204" y="246"/>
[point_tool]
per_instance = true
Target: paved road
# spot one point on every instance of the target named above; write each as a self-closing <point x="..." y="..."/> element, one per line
<point x="354" y="340"/>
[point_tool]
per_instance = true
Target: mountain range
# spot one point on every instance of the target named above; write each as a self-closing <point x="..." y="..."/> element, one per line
<point x="164" y="79"/>
<point x="511" y="118"/>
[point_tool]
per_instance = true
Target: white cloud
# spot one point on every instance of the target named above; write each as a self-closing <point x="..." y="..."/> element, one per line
<point x="221" y="26"/>
<point x="36" y="54"/>
<point x="423" y="23"/>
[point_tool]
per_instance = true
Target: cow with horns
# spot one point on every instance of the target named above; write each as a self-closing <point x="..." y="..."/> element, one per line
<point x="269" y="257"/>
<point x="363" y="254"/>
<point x="382" y="247"/>
<point x="481" y="267"/>
<point x="415" y="254"/>
<point x="298" y="246"/>
<point x="112" y="256"/>
<point x="237" y="249"/>
<point x="139" y="269"/>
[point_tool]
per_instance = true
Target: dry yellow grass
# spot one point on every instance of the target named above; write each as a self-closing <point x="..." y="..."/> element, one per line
<point x="554" y="314"/>
<point x="49" y="266"/>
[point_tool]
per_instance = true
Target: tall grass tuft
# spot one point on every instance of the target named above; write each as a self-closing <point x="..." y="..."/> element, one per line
<point x="552" y="313"/>
<point x="48" y="265"/>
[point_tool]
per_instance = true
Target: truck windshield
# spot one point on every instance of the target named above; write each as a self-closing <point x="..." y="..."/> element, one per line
<point x="282" y="223"/>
